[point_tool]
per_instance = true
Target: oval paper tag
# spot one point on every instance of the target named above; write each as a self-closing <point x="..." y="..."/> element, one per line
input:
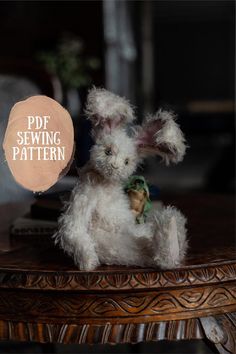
<point x="39" y="142"/>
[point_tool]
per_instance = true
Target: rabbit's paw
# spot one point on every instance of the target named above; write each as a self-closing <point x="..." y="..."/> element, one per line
<point x="174" y="243"/>
<point x="87" y="261"/>
<point x="166" y="240"/>
<point x="89" y="264"/>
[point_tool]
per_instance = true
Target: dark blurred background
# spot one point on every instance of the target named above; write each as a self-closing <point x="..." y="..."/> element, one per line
<point x="176" y="54"/>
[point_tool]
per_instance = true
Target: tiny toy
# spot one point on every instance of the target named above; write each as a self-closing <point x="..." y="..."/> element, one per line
<point x="100" y="224"/>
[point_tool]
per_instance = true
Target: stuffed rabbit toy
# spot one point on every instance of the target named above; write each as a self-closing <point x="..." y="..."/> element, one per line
<point x="98" y="225"/>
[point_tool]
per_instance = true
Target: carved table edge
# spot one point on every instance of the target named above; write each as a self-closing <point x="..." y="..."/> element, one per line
<point x="103" y="281"/>
<point x="107" y="333"/>
<point x="220" y="330"/>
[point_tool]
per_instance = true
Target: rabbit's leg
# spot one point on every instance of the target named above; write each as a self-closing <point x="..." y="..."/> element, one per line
<point x="84" y="254"/>
<point x="73" y="234"/>
<point x="76" y="242"/>
<point x="169" y="237"/>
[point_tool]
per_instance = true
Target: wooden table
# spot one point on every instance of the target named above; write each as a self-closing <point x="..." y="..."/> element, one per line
<point x="44" y="298"/>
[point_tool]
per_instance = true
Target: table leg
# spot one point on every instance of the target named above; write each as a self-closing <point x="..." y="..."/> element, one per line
<point x="221" y="330"/>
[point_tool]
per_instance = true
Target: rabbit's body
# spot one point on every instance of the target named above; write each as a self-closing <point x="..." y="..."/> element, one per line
<point x="99" y="227"/>
<point x="112" y="232"/>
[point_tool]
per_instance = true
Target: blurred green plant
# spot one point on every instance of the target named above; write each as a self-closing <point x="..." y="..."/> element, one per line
<point x="67" y="62"/>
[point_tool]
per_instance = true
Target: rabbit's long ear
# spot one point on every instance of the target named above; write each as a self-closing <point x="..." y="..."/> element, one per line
<point x="107" y="111"/>
<point x="161" y="135"/>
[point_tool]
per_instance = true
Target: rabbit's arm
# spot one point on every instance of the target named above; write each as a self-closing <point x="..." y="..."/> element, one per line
<point x="74" y="234"/>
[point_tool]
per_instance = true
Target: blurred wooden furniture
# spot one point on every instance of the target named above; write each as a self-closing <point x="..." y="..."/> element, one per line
<point x="44" y="298"/>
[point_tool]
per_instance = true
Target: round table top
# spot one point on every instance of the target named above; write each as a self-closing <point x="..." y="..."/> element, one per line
<point x="211" y="256"/>
<point x="45" y="298"/>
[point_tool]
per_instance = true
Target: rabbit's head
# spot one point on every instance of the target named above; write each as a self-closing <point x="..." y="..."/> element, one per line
<point x="116" y="154"/>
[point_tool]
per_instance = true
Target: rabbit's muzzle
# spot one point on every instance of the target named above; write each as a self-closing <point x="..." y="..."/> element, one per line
<point x="114" y="166"/>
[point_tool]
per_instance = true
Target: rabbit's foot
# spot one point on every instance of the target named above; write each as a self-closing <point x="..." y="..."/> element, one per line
<point x="86" y="260"/>
<point x="169" y="238"/>
<point x="89" y="263"/>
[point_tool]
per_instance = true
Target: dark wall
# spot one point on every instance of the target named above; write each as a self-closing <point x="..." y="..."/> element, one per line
<point x="193" y="47"/>
<point x="194" y="50"/>
<point x="27" y="27"/>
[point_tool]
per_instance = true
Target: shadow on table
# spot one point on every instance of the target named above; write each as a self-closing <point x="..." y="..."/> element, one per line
<point x="162" y="347"/>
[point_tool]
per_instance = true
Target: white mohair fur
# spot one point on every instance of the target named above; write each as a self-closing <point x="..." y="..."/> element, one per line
<point x="98" y="226"/>
<point x="170" y="135"/>
<point x="102" y="104"/>
<point x="167" y="141"/>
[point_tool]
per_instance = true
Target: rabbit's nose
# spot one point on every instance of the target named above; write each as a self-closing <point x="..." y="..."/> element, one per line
<point x="114" y="166"/>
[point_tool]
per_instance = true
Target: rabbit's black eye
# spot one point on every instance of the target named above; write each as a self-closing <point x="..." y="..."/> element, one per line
<point x="126" y="161"/>
<point x="108" y="151"/>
